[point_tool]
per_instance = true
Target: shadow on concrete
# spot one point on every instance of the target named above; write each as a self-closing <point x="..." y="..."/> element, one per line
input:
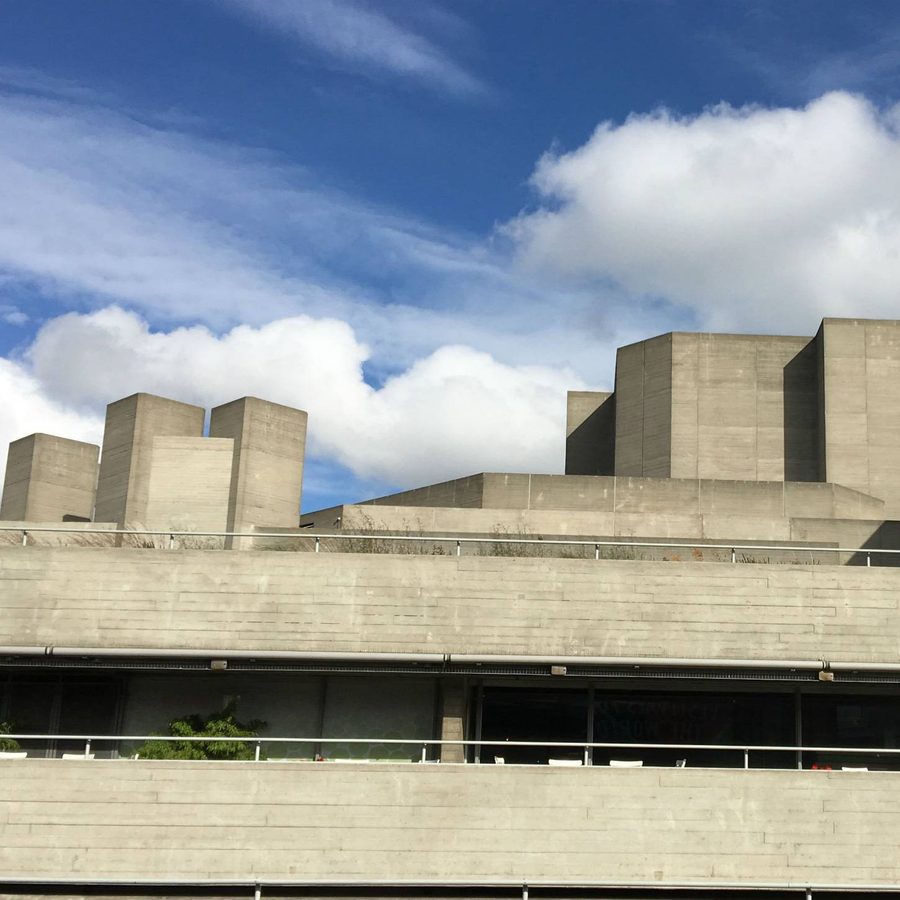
<point x="801" y="417"/>
<point x="591" y="447"/>
<point x="885" y="537"/>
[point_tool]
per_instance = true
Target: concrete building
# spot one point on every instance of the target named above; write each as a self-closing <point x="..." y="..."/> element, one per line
<point x="673" y="671"/>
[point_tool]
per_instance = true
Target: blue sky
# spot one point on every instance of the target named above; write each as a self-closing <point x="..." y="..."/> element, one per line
<point x="423" y="222"/>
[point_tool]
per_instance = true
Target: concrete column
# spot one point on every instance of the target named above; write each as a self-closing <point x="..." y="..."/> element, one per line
<point x="132" y="423"/>
<point x="267" y="468"/>
<point x="453" y="719"/>
<point x="49" y="478"/>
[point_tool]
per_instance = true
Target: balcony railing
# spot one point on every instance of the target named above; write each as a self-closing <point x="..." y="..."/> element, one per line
<point x="424" y="544"/>
<point x="577" y="753"/>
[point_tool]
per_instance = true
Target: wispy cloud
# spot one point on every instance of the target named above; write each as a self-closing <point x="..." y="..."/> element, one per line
<point x="363" y="39"/>
<point x="102" y="208"/>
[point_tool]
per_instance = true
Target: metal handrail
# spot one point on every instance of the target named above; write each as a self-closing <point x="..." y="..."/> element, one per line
<point x="458" y="539"/>
<point x="255" y="884"/>
<point x="432" y="742"/>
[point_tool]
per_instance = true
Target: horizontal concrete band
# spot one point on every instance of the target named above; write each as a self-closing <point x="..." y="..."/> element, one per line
<point x="552" y="609"/>
<point x="182" y="822"/>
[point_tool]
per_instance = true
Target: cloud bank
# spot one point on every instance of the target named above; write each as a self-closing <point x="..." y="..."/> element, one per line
<point x="754" y="219"/>
<point x="452" y="412"/>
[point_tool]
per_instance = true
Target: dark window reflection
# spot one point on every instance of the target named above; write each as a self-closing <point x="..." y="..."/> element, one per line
<point x="38" y="703"/>
<point x="513" y="714"/>
<point x="851" y="721"/>
<point x="739" y="719"/>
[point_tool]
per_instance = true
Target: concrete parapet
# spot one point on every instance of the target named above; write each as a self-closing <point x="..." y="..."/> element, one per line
<point x="648" y="496"/>
<point x="123" y="490"/>
<point x="126" y="820"/>
<point x="267" y="467"/>
<point x="466" y="492"/>
<point x="48" y="479"/>
<point x="626" y="607"/>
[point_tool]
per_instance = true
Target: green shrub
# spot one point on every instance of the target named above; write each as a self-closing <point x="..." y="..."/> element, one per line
<point x="7" y="744"/>
<point x="218" y="724"/>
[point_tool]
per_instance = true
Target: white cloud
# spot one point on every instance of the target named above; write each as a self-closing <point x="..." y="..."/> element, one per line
<point x="455" y="411"/>
<point x="27" y="409"/>
<point x="753" y="218"/>
<point x="362" y="38"/>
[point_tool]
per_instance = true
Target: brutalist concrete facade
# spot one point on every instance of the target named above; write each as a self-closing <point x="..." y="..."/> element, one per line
<point x="750" y="407"/>
<point x="711" y="594"/>
<point x="158" y="471"/>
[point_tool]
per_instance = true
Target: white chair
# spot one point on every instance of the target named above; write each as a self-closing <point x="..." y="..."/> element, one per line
<point x="626" y="763"/>
<point x="499" y="760"/>
<point x="680" y="763"/>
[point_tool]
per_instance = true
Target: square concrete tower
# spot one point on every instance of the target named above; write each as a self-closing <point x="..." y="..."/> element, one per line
<point x="267" y="468"/>
<point x="126" y="462"/>
<point x="49" y="478"/>
<point x="717" y="406"/>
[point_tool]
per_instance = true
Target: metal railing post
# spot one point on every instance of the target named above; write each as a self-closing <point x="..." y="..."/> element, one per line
<point x="24" y="538"/>
<point x="596" y="551"/>
<point x="424" y="752"/>
<point x="317" y="545"/>
<point x="459" y="548"/>
<point x="87" y="747"/>
<point x="746" y="757"/>
<point x="733" y="555"/>
<point x="171" y="541"/>
<point x="868" y="558"/>
<point x="256" y="752"/>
